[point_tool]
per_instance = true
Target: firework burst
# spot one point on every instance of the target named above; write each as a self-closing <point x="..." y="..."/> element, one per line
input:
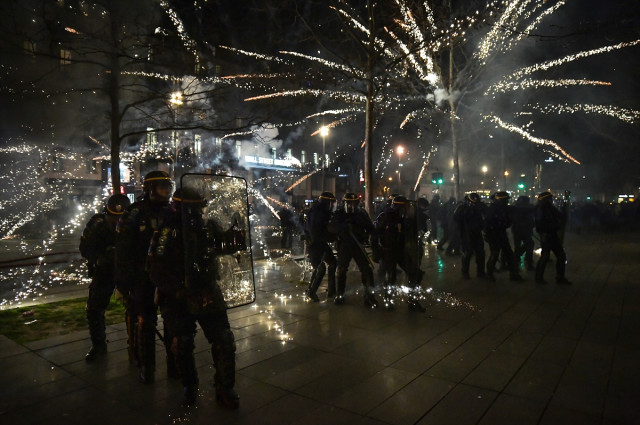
<point x="421" y="89"/>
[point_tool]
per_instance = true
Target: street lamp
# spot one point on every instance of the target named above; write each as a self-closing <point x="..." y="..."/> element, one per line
<point x="175" y="99"/>
<point x="324" y="132"/>
<point x="484" y="173"/>
<point x="506" y="174"/>
<point x="400" y="150"/>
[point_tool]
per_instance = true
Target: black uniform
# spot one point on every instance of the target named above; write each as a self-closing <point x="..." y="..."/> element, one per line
<point x="522" y="230"/>
<point x="287" y="226"/>
<point x="320" y="253"/>
<point x="135" y="229"/>
<point x="434" y="213"/>
<point x="449" y="231"/>
<point x="188" y="293"/>
<point x="549" y="222"/>
<point x="470" y="219"/>
<point x="497" y="222"/>
<point x="353" y="229"/>
<point x="97" y="245"/>
<point x="392" y="231"/>
<point x="423" y="225"/>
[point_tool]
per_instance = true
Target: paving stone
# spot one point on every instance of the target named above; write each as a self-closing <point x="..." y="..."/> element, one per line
<point x="484" y="353"/>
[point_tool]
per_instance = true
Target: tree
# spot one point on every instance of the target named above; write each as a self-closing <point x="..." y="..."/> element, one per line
<point x="114" y="64"/>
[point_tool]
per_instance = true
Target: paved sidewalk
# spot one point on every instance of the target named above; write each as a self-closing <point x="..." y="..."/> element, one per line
<point x="484" y="353"/>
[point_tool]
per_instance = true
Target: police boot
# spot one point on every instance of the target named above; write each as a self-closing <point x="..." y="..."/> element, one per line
<point x="339" y="300"/>
<point x="414" y="304"/>
<point x="331" y="283"/>
<point x="316" y="278"/>
<point x="132" y="339"/>
<point x="147" y="346"/>
<point x="188" y="373"/>
<point x="96" y="351"/>
<point x="189" y="395"/>
<point x="561" y="280"/>
<point x="387" y="299"/>
<point x="370" y="299"/>
<point x="98" y="337"/>
<point x="223" y="351"/>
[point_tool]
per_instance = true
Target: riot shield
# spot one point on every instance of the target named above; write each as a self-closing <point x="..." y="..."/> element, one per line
<point x="410" y="232"/>
<point x="217" y="241"/>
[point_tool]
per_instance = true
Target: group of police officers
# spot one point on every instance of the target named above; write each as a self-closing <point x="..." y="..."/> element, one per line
<point x="397" y="235"/>
<point x="393" y="238"/>
<point x="138" y="249"/>
<point x="477" y="222"/>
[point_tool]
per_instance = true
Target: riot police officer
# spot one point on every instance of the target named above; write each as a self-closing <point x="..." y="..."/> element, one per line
<point x="424" y="224"/>
<point x="134" y="232"/>
<point x="470" y="219"/>
<point x="97" y="245"/>
<point x="549" y="222"/>
<point x="188" y="291"/>
<point x="393" y="234"/>
<point x="320" y="252"/>
<point x="522" y="230"/>
<point x="497" y="222"/>
<point x="353" y="227"/>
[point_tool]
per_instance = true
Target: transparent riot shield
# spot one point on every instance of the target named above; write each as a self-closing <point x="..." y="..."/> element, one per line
<point x="217" y="241"/>
<point x="412" y="250"/>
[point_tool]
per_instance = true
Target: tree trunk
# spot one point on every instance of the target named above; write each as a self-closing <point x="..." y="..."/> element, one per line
<point x="369" y="121"/>
<point x="456" y="163"/>
<point x="114" y="98"/>
<point x="452" y="121"/>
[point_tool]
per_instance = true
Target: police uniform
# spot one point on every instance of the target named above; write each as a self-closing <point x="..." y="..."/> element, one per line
<point x="189" y="294"/>
<point x="320" y="252"/>
<point x="97" y="245"/>
<point x="549" y="222"/>
<point x="497" y="221"/>
<point x="522" y="230"/>
<point x="134" y="232"/>
<point x="353" y="227"/>
<point x="392" y="231"/>
<point x="470" y="219"/>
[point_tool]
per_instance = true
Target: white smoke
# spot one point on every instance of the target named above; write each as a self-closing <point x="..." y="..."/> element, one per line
<point x="441" y="95"/>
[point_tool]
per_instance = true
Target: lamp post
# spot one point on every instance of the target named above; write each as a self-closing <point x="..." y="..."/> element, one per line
<point x="400" y="150"/>
<point x="484" y="174"/>
<point x="176" y="100"/>
<point x="324" y="132"/>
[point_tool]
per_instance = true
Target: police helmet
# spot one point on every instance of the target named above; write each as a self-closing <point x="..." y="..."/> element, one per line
<point x="116" y="204"/>
<point x="474" y="197"/>
<point x="423" y="203"/>
<point x="523" y="200"/>
<point x="154" y="179"/>
<point x="327" y="199"/>
<point x="188" y="201"/>
<point x="501" y="195"/>
<point x="545" y="196"/>
<point x="399" y="204"/>
<point x="351" y="202"/>
<point x="188" y="195"/>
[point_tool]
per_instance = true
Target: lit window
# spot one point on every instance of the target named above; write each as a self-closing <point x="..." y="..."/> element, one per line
<point x="29" y="47"/>
<point x="65" y="57"/>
